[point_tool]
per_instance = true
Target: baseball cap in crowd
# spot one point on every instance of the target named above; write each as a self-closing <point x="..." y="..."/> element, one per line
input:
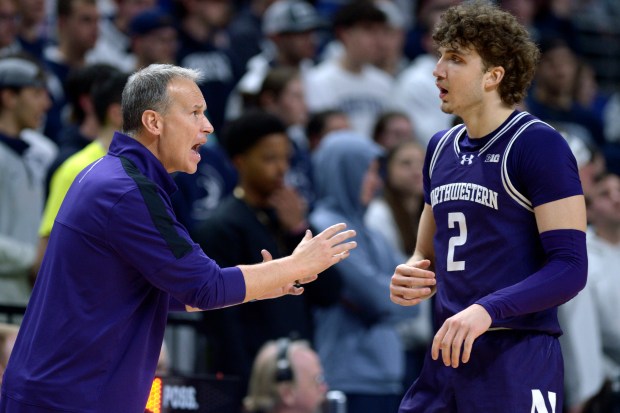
<point x="18" y="72"/>
<point x="290" y="16"/>
<point x="148" y="20"/>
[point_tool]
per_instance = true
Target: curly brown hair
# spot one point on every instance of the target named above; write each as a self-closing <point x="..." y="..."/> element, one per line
<point x="499" y="39"/>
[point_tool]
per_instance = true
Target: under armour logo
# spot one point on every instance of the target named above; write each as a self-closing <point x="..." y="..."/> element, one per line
<point x="469" y="159"/>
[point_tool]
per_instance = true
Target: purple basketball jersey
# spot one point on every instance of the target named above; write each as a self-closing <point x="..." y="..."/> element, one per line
<point x="483" y="193"/>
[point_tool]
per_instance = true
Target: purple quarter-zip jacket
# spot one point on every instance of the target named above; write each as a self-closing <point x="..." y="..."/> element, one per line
<point x="117" y="260"/>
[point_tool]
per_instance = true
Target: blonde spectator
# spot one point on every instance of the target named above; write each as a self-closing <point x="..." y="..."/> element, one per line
<point x="287" y="377"/>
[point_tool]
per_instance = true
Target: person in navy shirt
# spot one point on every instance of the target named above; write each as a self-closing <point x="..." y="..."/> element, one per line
<point x="501" y="240"/>
<point x="118" y="261"/>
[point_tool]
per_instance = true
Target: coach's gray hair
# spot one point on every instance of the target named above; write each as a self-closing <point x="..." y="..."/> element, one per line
<point x="147" y="89"/>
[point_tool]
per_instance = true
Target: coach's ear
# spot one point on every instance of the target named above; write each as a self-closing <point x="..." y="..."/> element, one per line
<point x="493" y="77"/>
<point x="151" y="122"/>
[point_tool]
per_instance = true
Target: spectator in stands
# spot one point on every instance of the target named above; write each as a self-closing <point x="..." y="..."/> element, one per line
<point x="525" y="11"/>
<point x="82" y="127"/>
<point x="287" y="377"/>
<point x="31" y="27"/>
<point x="393" y="128"/>
<point x="603" y="255"/>
<point x="415" y="92"/>
<point x="397" y="211"/>
<point x="590" y="161"/>
<point x="290" y="27"/>
<point x="591" y="340"/>
<point x="551" y="97"/>
<point x="396" y="214"/>
<point x="350" y="82"/>
<point x="114" y="41"/>
<point x="245" y="29"/>
<point x="77" y="27"/>
<point x="24" y="159"/>
<point x="106" y="96"/>
<point x="323" y="122"/>
<point x="153" y="36"/>
<point x="261" y="213"/>
<point x="356" y="337"/>
<point x="392" y="58"/>
<point x="118" y="260"/>
<point x="201" y="25"/>
<point x="8" y="28"/>
<point x="587" y="92"/>
<point x="282" y="94"/>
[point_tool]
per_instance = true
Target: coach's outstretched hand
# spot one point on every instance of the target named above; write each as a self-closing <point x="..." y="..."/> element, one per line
<point x="313" y="255"/>
<point x="316" y="254"/>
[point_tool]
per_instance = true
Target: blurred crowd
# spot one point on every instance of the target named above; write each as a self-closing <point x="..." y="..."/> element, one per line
<point x="322" y="111"/>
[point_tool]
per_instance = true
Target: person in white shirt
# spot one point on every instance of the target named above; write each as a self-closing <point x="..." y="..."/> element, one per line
<point x="349" y="82"/>
<point x="591" y="340"/>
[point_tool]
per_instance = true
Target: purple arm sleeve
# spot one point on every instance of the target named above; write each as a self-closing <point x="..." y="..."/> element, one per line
<point x="560" y="279"/>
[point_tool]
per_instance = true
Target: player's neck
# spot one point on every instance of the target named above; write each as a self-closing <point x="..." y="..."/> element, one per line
<point x="482" y="122"/>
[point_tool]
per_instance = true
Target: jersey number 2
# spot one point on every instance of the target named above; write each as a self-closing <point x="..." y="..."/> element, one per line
<point x="456" y="241"/>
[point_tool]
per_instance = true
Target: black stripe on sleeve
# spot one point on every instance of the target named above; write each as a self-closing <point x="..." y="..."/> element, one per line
<point x="155" y="205"/>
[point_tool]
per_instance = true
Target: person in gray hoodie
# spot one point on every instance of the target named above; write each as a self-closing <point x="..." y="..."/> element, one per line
<point x="356" y="338"/>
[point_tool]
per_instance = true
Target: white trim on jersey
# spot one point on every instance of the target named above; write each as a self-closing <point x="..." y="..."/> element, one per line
<point x="455" y="142"/>
<point x="501" y="132"/>
<point x="508" y="186"/>
<point x="440" y="146"/>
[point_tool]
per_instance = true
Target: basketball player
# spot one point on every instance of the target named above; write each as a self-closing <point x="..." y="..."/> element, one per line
<point x="501" y="239"/>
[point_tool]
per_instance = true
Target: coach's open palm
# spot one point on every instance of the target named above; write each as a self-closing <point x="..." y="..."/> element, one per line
<point x="316" y="254"/>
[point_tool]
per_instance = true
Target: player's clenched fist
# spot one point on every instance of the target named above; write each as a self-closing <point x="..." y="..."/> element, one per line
<point x="412" y="283"/>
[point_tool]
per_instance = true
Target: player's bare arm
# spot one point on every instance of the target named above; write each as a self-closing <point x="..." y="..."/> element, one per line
<point x="565" y="213"/>
<point x="414" y="281"/>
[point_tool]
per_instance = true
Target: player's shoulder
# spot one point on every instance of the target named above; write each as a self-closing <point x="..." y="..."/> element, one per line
<point x="532" y="125"/>
<point x="533" y="134"/>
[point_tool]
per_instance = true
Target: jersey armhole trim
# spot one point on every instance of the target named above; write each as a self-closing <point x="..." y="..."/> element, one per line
<point x="518" y="197"/>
